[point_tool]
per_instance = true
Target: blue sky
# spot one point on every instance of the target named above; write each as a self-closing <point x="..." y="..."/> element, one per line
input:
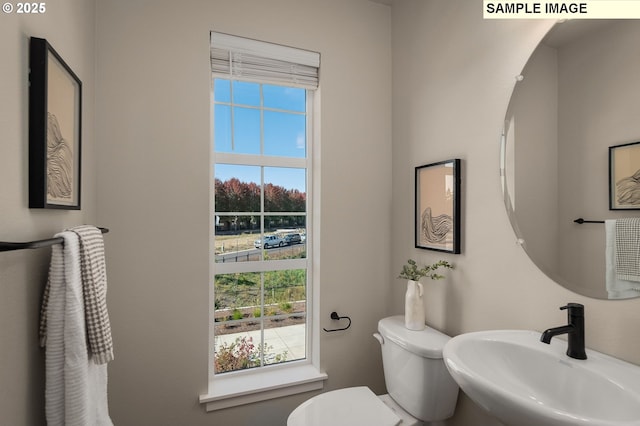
<point x="283" y="127"/>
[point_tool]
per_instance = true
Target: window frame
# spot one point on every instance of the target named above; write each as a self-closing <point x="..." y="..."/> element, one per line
<point x="276" y="380"/>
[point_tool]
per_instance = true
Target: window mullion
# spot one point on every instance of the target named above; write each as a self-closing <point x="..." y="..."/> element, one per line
<point x="262" y="195"/>
<point x="262" y="319"/>
<point x="232" y="113"/>
<point x="261" y="120"/>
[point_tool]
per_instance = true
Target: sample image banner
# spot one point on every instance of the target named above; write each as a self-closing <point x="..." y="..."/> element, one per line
<point x="586" y="9"/>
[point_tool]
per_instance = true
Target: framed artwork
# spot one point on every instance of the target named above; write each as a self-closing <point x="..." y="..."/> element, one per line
<point x="624" y="177"/>
<point x="437" y="209"/>
<point x="55" y="104"/>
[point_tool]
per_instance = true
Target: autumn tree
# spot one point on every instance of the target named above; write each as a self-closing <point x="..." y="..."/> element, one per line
<point x="234" y="195"/>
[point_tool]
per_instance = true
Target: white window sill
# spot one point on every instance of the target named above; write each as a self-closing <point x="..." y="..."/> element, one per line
<point x="238" y="389"/>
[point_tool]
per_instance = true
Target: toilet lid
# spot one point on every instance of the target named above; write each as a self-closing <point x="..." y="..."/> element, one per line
<point x="344" y="407"/>
<point x="427" y="343"/>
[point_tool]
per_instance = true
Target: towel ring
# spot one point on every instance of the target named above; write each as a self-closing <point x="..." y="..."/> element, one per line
<point x="336" y="317"/>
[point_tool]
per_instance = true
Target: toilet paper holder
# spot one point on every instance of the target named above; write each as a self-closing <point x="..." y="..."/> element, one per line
<point x="334" y="316"/>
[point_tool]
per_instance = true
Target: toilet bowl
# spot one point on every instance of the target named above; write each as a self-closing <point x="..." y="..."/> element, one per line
<point x="419" y="385"/>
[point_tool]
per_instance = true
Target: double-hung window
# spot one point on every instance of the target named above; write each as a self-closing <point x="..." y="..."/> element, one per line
<point x="262" y="331"/>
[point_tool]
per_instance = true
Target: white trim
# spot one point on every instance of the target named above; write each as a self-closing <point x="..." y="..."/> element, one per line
<point x="267" y="382"/>
<point x="238" y="389"/>
<point x="269" y="63"/>
<point x="212" y="227"/>
<point x="313" y="231"/>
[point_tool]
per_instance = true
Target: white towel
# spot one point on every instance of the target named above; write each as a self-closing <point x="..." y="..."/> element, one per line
<point x="76" y="388"/>
<point x="616" y="288"/>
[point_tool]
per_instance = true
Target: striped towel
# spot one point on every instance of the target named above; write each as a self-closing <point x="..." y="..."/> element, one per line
<point x="75" y="386"/>
<point x="94" y="289"/>
<point x="628" y="249"/>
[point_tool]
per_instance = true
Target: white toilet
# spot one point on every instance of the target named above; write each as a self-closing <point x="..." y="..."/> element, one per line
<point x="421" y="391"/>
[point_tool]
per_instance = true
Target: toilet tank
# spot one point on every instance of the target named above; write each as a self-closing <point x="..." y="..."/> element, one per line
<point x="414" y="371"/>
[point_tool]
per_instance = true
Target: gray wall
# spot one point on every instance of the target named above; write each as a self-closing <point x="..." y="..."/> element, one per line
<point x="69" y="26"/>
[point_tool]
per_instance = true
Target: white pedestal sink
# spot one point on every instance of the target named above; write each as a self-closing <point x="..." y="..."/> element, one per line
<point x="524" y="382"/>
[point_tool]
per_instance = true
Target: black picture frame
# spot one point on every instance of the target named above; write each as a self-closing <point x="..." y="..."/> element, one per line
<point x="437" y="206"/>
<point x="624" y="176"/>
<point x="55" y="127"/>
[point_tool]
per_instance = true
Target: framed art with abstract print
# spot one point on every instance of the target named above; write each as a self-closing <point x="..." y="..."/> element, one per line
<point x="55" y="103"/>
<point x="437" y="209"/>
<point x="624" y="177"/>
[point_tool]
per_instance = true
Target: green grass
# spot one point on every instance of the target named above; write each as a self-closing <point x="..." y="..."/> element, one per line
<point x="243" y="289"/>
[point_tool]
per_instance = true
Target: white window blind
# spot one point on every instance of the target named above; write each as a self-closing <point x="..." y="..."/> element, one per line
<point x="245" y="58"/>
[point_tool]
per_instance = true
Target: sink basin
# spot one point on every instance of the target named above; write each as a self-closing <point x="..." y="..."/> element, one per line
<point x="524" y="382"/>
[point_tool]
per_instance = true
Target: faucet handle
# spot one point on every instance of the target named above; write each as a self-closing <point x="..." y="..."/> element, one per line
<point x="574" y="308"/>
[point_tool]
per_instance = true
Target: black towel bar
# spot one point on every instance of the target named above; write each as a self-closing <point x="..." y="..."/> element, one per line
<point x="581" y="221"/>
<point x="7" y="246"/>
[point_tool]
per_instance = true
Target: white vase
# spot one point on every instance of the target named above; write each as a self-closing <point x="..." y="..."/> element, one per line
<point x="414" y="318"/>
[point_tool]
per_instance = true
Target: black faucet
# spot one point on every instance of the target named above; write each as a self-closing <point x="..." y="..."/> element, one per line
<point x="575" y="331"/>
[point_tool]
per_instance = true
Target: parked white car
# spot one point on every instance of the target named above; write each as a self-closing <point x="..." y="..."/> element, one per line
<point x="270" y="241"/>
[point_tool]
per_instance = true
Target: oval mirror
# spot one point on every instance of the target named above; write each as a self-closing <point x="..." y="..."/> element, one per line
<point x="578" y="95"/>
